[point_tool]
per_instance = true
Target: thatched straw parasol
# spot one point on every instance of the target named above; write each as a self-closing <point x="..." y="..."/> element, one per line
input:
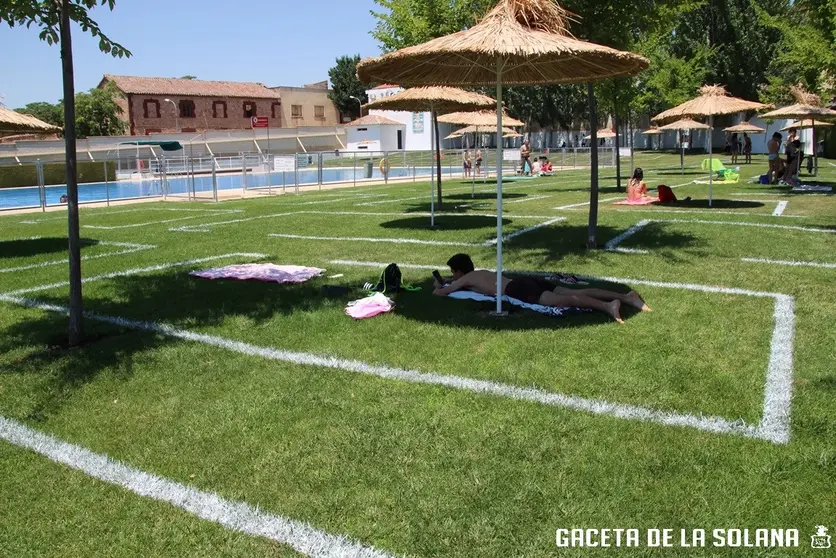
<point x="681" y="126"/>
<point x="805" y="125"/>
<point x="745" y="128"/>
<point x="602" y="134"/>
<point x="714" y="100"/>
<point x="519" y="42"/>
<point x="653" y="131"/>
<point x="482" y="119"/>
<point x="809" y="106"/>
<point x="435" y="100"/>
<point x="11" y="121"/>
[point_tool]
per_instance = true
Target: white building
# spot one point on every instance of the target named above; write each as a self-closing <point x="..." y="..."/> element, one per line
<point x="374" y="132"/>
<point x="417" y="124"/>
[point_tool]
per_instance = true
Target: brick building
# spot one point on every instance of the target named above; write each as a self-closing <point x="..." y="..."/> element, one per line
<point x="164" y="105"/>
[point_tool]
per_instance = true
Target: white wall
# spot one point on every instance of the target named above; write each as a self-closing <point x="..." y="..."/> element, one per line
<point x="416" y="125"/>
<point x="378" y="137"/>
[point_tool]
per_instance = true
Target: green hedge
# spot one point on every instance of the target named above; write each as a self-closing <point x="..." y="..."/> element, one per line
<point x="54" y="173"/>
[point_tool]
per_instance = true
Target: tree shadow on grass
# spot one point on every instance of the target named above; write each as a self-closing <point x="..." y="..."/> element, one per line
<point x="678" y="172"/>
<point x="29" y="247"/>
<point x="445" y="222"/>
<point x="483" y="196"/>
<point x="717" y="203"/>
<point x="552" y="244"/>
<point x="173" y="298"/>
<point x="601" y="190"/>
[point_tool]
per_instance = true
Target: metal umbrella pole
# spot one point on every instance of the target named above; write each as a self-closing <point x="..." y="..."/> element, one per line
<point x="499" y="146"/>
<point x="710" y="159"/>
<point x="432" y="171"/>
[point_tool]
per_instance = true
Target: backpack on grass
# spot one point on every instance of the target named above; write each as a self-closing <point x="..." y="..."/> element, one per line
<point x="391" y="280"/>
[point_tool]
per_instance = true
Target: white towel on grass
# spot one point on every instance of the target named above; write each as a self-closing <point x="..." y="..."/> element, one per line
<point x="548" y="310"/>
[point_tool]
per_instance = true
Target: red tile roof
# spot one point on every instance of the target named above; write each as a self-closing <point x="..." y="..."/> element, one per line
<point x="372" y="119"/>
<point x="191" y="87"/>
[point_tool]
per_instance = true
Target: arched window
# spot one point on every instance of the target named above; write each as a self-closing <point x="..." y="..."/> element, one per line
<point x="219" y="109"/>
<point x="151" y="108"/>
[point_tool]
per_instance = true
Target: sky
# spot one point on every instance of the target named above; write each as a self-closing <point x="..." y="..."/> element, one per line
<point x="275" y="42"/>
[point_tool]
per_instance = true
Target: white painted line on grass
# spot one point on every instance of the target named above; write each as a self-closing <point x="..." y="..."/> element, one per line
<point x="130" y="249"/>
<point x="532" y="198"/>
<point x="774" y="425"/>
<point x="203" y="227"/>
<point x="587" y="203"/>
<point x="234" y="515"/>
<point x="138" y="271"/>
<point x="100" y="213"/>
<point x="595" y="406"/>
<point x="380" y="240"/>
<point x="137" y="225"/>
<point x="513" y="235"/>
<point x="613" y="244"/>
<point x="707" y="212"/>
<point x="792" y="263"/>
<point x="782" y="206"/>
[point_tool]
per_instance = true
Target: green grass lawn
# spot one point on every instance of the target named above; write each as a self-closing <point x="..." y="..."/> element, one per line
<point x="409" y="468"/>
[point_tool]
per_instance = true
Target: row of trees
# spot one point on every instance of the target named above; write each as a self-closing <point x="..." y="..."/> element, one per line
<point x="758" y="48"/>
<point x="96" y="112"/>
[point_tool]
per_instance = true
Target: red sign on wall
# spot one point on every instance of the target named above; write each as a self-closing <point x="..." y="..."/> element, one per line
<point x="260" y="122"/>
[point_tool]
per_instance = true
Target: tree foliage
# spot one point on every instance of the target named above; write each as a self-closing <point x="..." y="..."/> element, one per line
<point x="47" y="112"/>
<point x="45" y="14"/>
<point x="345" y="84"/>
<point x="97" y="113"/>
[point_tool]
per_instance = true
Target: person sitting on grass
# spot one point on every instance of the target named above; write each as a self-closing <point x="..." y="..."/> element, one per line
<point x="535" y="291"/>
<point x="636" y="186"/>
<point x="546" y="168"/>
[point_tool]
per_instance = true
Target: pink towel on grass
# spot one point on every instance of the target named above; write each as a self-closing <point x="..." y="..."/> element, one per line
<point x="640" y="201"/>
<point x="369" y="307"/>
<point x="269" y="273"/>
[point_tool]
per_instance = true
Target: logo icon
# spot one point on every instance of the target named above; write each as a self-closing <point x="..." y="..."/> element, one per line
<point x="821" y="539"/>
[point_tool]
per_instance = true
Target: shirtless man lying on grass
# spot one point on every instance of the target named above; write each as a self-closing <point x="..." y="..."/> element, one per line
<point x="535" y="291"/>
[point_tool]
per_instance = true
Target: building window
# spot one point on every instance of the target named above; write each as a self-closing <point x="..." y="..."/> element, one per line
<point x="319" y="111"/>
<point x="187" y="109"/>
<point x="296" y="111"/>
<point x="249" y="109"/>
<point x="219" y="109"/>
<point x="276" y="110"/>
<point x="151" y="108"/>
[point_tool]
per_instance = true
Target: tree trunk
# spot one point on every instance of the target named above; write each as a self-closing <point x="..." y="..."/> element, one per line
<point x="592" y="240"/>
<point x="76" y="326"/>
<point x="617" y="154"/>
<point x="438" y="157"/>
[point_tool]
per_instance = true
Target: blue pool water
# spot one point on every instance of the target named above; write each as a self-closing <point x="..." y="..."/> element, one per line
<point x="99" y="192"/>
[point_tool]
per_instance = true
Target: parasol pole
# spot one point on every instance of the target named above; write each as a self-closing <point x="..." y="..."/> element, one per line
<point x="499" y="187"/>
<point x="815" y="148"/>
<point x="432" y="169"/>
<point x="710" y="158"/>
<point x="681" y="152"/>
<point x="473" y="169"/>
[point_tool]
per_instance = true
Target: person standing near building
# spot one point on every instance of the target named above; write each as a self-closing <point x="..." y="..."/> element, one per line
<point x="747" y="148"/>
<point x="525" y="155"/>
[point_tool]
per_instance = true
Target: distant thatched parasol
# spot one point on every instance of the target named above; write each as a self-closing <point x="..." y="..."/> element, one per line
<point x="435" y="100"/>
<point x="653" y="131"/>
<point x="685" y="124"/>
<point x="482" y="119"/>
<point x="805" y="125"/>
<point x="713" y="100"/>
<point x="482" y="129"/>
<point x="519" y="42"/>
<point x="603" y="134"/>
<point x="745" y="128"/>
<point x="809" y="106"/>
<point x="11" y="121"/>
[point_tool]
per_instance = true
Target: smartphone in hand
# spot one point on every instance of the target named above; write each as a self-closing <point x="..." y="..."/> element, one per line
<point x="438" y="277"/>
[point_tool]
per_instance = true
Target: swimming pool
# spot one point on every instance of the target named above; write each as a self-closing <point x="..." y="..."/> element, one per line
<point x="16" y="198"/>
